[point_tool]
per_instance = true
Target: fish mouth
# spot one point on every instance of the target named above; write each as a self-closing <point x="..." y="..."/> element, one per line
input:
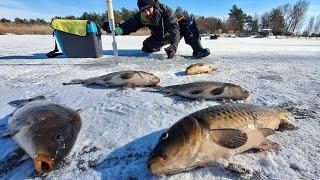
<point x="157" y="80"/>
<point x="43" y="163"/>
<point x="154" y="161"/>
<point x="246" y="94"/>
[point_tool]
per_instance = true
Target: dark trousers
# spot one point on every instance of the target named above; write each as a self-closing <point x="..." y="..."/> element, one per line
<point x="188" y="30"/>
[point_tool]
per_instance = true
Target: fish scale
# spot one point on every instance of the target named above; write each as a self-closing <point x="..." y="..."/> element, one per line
<point x="120" y="79"/>
<point x="45" y="131"/>
<point x="207" y="90"/>
<point x="216" y="132"/>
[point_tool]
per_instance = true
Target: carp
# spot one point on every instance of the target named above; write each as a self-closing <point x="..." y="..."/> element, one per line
<point x="120" y="79"/>
<point x="44" y="130"/>
<point x="199" y="68"/>
<point x="209" y="90"/>
<point x="221" y="131"/>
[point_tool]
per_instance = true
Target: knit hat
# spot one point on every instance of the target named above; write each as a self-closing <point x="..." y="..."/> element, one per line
<point x="144" y="4"/>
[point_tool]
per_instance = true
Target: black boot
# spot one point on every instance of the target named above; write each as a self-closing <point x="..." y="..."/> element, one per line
<point x="202" y="53"/>
<point x="189" y="31"/>
<point x="198" y="50"/>
<point x="150" y="50"/>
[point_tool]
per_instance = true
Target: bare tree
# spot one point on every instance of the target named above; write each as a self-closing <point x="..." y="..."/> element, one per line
<point x="294" y="16"/>
<point x="310" y="27"/>
<point x="316" y="29"/>
<point x="287" y="13"/>
<point x="265" y="20"/>
<point x="298" y="14"/>
<point x="255" y="24"/>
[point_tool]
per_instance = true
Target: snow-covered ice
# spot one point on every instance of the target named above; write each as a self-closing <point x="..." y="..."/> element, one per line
<point x="120" y="127"/>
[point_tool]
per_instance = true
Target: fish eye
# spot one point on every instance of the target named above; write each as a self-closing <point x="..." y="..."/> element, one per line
<point x="58" y="137"/>
<point x="164" y="136"/>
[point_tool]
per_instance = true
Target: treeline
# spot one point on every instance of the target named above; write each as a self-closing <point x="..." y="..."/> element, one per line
<point x="25" y="21"/>
<point x="286" y="20"/>
<point x="290" y="19"/>
<point x="119" y="16"/>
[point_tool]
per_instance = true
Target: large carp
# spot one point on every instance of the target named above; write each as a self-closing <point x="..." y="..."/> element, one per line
<point x="46" y="131"/>
<point x="206" y="90"/>
<point x="216" y="132"/>
<point x="120" y="79"/>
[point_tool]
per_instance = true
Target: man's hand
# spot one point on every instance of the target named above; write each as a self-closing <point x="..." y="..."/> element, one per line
<point x="106" y="27"/>
<point x="171" y="51"/>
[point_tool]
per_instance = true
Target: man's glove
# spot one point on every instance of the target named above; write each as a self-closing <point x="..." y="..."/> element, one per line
<point x="171" y="50"/>
<point x="106" y="27"/>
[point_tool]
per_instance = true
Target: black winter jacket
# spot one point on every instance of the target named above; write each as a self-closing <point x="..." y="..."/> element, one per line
<point x="164" y="26"/>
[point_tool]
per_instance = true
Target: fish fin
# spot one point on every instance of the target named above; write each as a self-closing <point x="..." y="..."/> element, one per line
<point x="237" y="168"/>
<point x="22" y="102"/>
<point x="6" y="134"/>
<point x="106" y="84"/>
<point x="217" y="91"/>
<point x="227" y="101"/>
<point x="194" y="92"/>
<point x="229" y="138"/>
<point x="139" y="73"/>
<point x="153" y="89"/>
<point x="80" y="110"/>
<point x="127" y="75"/>
<point x="286" y="125"/>
<point x="169" y="94"/>
<point x="267" y="145"/>
<point x="267" y="131"/>
<point x="11" y="161"/>
<point x="126" y="87"/>
<point x="89" y="82"/>
<point x="75" y="81"/>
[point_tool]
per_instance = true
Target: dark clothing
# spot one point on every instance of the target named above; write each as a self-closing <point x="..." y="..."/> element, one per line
<point x="143" y="4"/>
<point x="188" y="30"/>
<point x="153" y="44"/>
<point x="164" y="27"/>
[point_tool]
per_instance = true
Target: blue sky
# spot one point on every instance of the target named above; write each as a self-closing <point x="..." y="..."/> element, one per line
<point x="47" y="9"/>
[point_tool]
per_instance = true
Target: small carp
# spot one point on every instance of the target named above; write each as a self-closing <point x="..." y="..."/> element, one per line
<point x="46" y="131"/>
<point x="206" y="90"/>
<point x="216" y="132"/>
<point x="199" y="68"/>
<point x="120" y="79"/>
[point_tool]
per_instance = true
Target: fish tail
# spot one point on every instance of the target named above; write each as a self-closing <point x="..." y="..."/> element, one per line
<point x="22" y="102"/>
<point x="287" y="125"/>
<point x="153" y="89"/>
<point x="11" y="161"/>
<point x="75" y="81"/>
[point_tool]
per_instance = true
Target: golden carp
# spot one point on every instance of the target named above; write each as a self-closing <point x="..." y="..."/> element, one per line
<point x="199" y="68"/>
<point x="206" y="90"/>
<point x="120" y="79"/>
<point x="216" y="132"/>
<point x="46" y="131"/>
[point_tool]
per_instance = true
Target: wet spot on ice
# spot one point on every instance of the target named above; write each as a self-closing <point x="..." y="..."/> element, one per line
<point x="271" y="77"/>
<point x="295" y="167"/>
<point x="300" y="113"/>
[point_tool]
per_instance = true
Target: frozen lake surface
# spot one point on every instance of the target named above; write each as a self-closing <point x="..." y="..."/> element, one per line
<point x="121" y="126"/>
